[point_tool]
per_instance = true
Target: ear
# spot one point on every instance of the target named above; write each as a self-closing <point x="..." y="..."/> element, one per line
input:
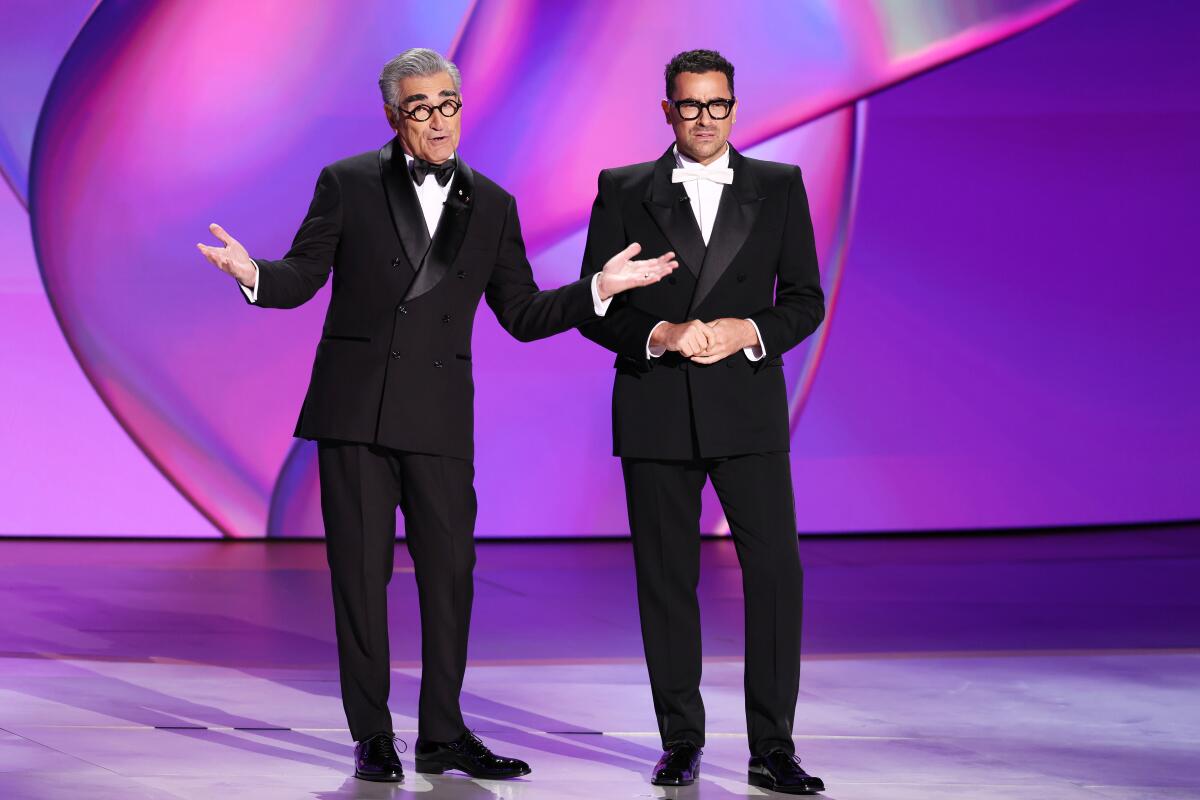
<point x="666" y="107"/>
<point x="733" y="113"/>
<point x="389" y="112"/>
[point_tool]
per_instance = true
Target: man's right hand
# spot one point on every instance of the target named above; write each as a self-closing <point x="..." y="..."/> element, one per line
<point x="231" y="258"/>
<point x="685" y="338"/>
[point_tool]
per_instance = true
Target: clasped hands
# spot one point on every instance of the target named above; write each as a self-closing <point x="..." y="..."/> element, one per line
<point x="705" y="342"/>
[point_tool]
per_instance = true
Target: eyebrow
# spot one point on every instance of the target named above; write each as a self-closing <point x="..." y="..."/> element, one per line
<point x="442" y="93"/>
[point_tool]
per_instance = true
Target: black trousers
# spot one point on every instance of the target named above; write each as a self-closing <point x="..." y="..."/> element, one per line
<point x="664" y="516"/>
<point x="361" y="486"/>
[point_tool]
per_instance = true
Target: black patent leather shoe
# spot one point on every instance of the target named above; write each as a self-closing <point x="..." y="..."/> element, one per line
<point x="375" y="759"/>
<point x="466" y="754"/>
<point x="780" y="771"/>
<point x="679" y="765"/>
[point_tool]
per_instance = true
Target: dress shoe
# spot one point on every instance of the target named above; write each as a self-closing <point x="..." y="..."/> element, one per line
<point x="679" y="765"/>
<point x="780" y="771"/>
<point x="375" y="759"/>
<point x="466" y="754"/>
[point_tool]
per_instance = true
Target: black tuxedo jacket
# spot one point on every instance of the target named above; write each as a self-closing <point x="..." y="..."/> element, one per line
<point x="394" y="363"/>
<point x="760" y="264"/>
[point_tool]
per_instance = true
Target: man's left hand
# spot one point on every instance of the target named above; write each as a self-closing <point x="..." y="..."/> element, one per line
<point x="731" y="335"/>
<point x="622" y="273"/>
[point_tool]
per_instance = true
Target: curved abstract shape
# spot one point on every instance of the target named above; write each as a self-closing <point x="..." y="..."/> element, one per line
<point x="296" y="498"/>
<point x="33" y="39"/>
<point x="569" y="82"/>
<point x="148" y="133"/>
<point x="121" y="188"/>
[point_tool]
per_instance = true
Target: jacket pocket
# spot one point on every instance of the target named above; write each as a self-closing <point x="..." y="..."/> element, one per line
<point x="463" y="356"/>
<point x="339" y="338"/>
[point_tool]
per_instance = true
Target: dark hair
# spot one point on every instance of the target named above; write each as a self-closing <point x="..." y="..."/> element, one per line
<point x="698" y="61"/>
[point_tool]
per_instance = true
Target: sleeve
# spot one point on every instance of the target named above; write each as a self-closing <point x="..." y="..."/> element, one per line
<point x="600" y="306"/>
<point x="755" y="352"/>
<point x="625" y="329"/>
<point x="522" y="309"/>
<point x="799" y="302"/>
<point x="651" y="350"/>
<point x="251" y="292"/>
<point x="294" y="279"/>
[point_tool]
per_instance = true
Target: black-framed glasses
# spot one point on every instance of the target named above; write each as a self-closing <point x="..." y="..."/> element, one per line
<point x="447" y="108"/>
<point x="717" y="109"/>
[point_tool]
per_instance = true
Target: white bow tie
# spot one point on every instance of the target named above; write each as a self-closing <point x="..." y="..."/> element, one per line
<point x="714" y="174"/>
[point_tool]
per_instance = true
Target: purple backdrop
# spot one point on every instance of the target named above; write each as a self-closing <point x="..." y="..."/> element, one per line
<point x="998" y="191"/>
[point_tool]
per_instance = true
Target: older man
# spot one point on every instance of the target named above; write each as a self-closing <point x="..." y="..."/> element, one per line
<point x="416" y="238"/>
<point x="699" y="395"/>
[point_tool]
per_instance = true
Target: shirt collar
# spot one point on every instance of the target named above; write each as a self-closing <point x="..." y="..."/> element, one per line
<point x="687" y="163"/>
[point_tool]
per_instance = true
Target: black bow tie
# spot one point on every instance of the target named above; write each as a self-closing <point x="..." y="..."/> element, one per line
<point x="422" y="168"/>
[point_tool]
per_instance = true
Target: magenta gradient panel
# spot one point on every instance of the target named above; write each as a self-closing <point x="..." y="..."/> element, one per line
<point x="957" y="381"/>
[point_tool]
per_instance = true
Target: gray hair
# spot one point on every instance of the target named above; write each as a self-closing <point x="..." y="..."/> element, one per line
<point x="410" y="63"/>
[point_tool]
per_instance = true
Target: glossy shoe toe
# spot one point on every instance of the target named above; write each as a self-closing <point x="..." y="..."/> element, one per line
<point x="466" y="754"/>
<point x="679" y="765"/>
<point x="376" y="759"/>
<point x="780" y="771"/>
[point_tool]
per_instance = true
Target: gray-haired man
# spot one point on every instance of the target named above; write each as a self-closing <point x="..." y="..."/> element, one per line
<point x="417" y="238"/>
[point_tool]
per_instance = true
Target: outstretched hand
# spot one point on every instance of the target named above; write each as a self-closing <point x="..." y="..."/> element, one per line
<point x="232" y="258"/>
<point x="622" y="273"/>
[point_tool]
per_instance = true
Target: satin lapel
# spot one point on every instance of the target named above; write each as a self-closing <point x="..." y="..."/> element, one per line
<point x="451" y="229"/>
<point x="403" y="204"/>
<point x="740" y="204"/>
<point x="668" y="205"/>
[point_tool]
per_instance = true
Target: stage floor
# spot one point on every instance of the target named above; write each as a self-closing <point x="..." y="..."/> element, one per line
<point x="1054" y="666"/>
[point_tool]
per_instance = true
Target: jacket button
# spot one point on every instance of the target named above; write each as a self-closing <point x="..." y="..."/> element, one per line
<point x="437" y="364"/>
<point x="396" y="261"/>
<point x="395" y="354"/>
<point x="445" y="317"/>
<point x="683" y="365"/>
<point x="402" y="310"/>
<point x="741" y="277"/>
<point x="462" y="274"/>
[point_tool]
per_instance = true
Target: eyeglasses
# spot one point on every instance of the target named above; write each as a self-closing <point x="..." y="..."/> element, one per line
<point x="448" y="108"/>
<point x="717" y="109"/>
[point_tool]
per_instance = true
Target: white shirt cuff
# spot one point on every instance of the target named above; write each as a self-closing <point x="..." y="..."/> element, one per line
<point x="755" y="352"/>
<point x="651" y="350"/>
<point x="251" y="292"/>
<point x="598" y="305"/>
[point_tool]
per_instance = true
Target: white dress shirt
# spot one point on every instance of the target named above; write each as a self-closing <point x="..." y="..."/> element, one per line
<point x="432" y="197"/>
<point x="705" y="197"/>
